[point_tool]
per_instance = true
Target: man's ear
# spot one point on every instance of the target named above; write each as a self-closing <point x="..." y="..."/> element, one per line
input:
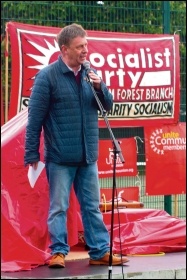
<point x="64" y="48"/>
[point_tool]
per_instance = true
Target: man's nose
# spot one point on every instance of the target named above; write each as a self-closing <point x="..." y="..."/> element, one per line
<point x="85" y="49"/>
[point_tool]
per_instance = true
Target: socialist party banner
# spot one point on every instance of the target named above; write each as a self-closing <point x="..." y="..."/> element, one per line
<point x="165" y="148"/>
<point x="141" y="71"/>
<point x="106" y="158"/>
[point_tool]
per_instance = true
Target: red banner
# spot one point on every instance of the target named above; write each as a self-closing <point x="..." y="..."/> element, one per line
<point x="165" y="148"/>
<point x="141" y="71"/>
<point x="106" y="158"/>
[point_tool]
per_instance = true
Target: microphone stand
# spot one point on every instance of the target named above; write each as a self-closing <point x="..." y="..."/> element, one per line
<point x="116" y="150"/>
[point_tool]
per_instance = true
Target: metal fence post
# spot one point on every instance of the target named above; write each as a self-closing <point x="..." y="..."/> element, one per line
<point x="166" y="30"/>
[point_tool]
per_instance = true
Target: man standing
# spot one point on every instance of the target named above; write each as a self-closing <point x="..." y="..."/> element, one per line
<point x="63" y="105"/>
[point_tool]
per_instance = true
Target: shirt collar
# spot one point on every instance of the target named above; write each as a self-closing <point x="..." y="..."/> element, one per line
<point x="75" y="73"/>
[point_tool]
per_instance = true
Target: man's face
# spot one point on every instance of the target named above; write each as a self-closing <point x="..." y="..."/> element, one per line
<point x="75" y="54"/>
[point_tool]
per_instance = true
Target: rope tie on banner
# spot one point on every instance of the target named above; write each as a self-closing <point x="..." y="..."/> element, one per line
<point x="137" y="137"/>
<point x="177" y="31"/>
<point x="104" y="201"/>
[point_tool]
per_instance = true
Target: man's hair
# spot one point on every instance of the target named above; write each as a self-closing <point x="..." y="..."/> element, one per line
<point x="70" y="32"/>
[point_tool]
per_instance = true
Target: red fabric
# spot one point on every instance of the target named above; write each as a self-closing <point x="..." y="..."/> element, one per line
<point x="146" y="231"/>
<point x="24" y="209"/>
<point x="165" y="148"/>
<point x="2" y="108"/>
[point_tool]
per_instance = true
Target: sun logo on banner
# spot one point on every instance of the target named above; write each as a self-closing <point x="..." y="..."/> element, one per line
<point x="37" y="53"/>
<point x="48" y="54"/>
<point x="155" y="142"/>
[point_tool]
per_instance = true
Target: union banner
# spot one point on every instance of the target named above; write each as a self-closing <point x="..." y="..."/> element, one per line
<point x="106" y="162"/>
<point x="140" y="70"/>
<point x="165" y="148"/>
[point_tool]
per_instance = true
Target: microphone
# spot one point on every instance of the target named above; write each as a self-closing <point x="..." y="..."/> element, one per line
<point x="86" y="65"/>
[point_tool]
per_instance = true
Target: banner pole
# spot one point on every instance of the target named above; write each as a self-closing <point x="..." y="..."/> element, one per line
<point x="6" y="76"/>
<point x="176" y="205"/>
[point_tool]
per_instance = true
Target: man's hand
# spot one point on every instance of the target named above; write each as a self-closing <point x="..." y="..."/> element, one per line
<point x="34" y="165"/>
<point x="95" y="79"/>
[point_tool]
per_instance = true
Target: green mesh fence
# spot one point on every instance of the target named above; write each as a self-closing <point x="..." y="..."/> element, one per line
<point x="146" y="17"/>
